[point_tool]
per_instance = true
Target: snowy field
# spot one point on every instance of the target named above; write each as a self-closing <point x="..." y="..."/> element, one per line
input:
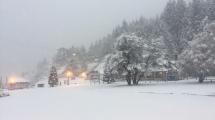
<point x="183" y="100"/>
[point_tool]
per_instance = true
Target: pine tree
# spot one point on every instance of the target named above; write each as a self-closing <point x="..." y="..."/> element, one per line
<point x="197" y="12"/>
<point x="53" y="78"/>
<point x="61" y="58"/>
<point x="210" y="9"/>
<point x="174" y="22"/>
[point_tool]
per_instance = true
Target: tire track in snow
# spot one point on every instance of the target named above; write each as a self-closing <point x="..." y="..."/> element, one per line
<point x="184" y="93"/>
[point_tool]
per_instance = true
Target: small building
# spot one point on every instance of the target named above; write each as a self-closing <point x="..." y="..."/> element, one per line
<point x="42" y="83"/>
<point x="163" y="74"/>
<point x="156" y="74"/>
<point x="17" y="83"/>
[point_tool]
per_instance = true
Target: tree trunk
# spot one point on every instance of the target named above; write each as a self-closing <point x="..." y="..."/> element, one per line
<point x="201" y="78"/>
<point x="134" y="81"/>
<point x="135" y="76"/>
<point x="128" y="78"/>
<point x="129" y="81"/>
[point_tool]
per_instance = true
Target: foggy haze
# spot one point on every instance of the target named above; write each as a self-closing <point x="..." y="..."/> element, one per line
<point x="31" y="30"/>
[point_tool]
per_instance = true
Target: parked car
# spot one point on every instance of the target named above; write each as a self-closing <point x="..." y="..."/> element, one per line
<point x="3" y="94"/>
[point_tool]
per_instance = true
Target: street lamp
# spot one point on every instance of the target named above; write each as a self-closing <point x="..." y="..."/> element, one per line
<point x="12" y="80"/>
<point x="69" y="74"/>
<point x="83" y="75"/>
<point x="11" y="83"/>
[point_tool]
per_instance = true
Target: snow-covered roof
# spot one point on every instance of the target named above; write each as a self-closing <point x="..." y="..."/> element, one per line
<point x="42" y="82"/>
<point x="20" y="79"/>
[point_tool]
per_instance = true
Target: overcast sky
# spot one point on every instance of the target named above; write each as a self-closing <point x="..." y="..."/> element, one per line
<point x="31" y="30"/>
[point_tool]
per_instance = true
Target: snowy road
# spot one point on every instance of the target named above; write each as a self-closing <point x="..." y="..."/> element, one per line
<point x="154" y="101"/>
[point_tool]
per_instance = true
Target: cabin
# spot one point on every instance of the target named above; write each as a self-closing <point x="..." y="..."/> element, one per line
<point x="17" y="83"/>
<point x="163" y="73"/>
<point x="166" y="75"/>
<point x="156" y="74"/>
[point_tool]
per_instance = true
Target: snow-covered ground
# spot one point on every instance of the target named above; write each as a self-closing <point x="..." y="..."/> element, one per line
<point x="183" y="100"/>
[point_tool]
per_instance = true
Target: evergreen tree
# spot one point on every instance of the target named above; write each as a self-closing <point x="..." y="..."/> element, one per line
<point x="61" y="57"/>
<point x="210" y="9"/>
<point x="174" y="21"/>
<point x="53" y="77"/>
<point x="197" y="12"/>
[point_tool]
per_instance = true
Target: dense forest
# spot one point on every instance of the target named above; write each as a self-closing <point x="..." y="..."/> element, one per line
<point x="183" y="33"/>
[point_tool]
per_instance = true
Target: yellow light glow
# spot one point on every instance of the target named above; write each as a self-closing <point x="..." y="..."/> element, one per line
<point x="83" y="75"/>
<point x="12" y="80"/>
<point x="69" y="74"/>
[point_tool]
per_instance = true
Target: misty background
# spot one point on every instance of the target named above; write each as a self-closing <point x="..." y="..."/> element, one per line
<point x="31" y="30"/>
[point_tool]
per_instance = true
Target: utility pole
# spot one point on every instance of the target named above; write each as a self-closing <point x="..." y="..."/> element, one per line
<point x="6" y="83"/>
<point x="1" y="83"/>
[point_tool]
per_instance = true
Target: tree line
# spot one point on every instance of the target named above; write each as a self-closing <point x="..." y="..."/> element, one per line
<point x="183" y="33"/>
